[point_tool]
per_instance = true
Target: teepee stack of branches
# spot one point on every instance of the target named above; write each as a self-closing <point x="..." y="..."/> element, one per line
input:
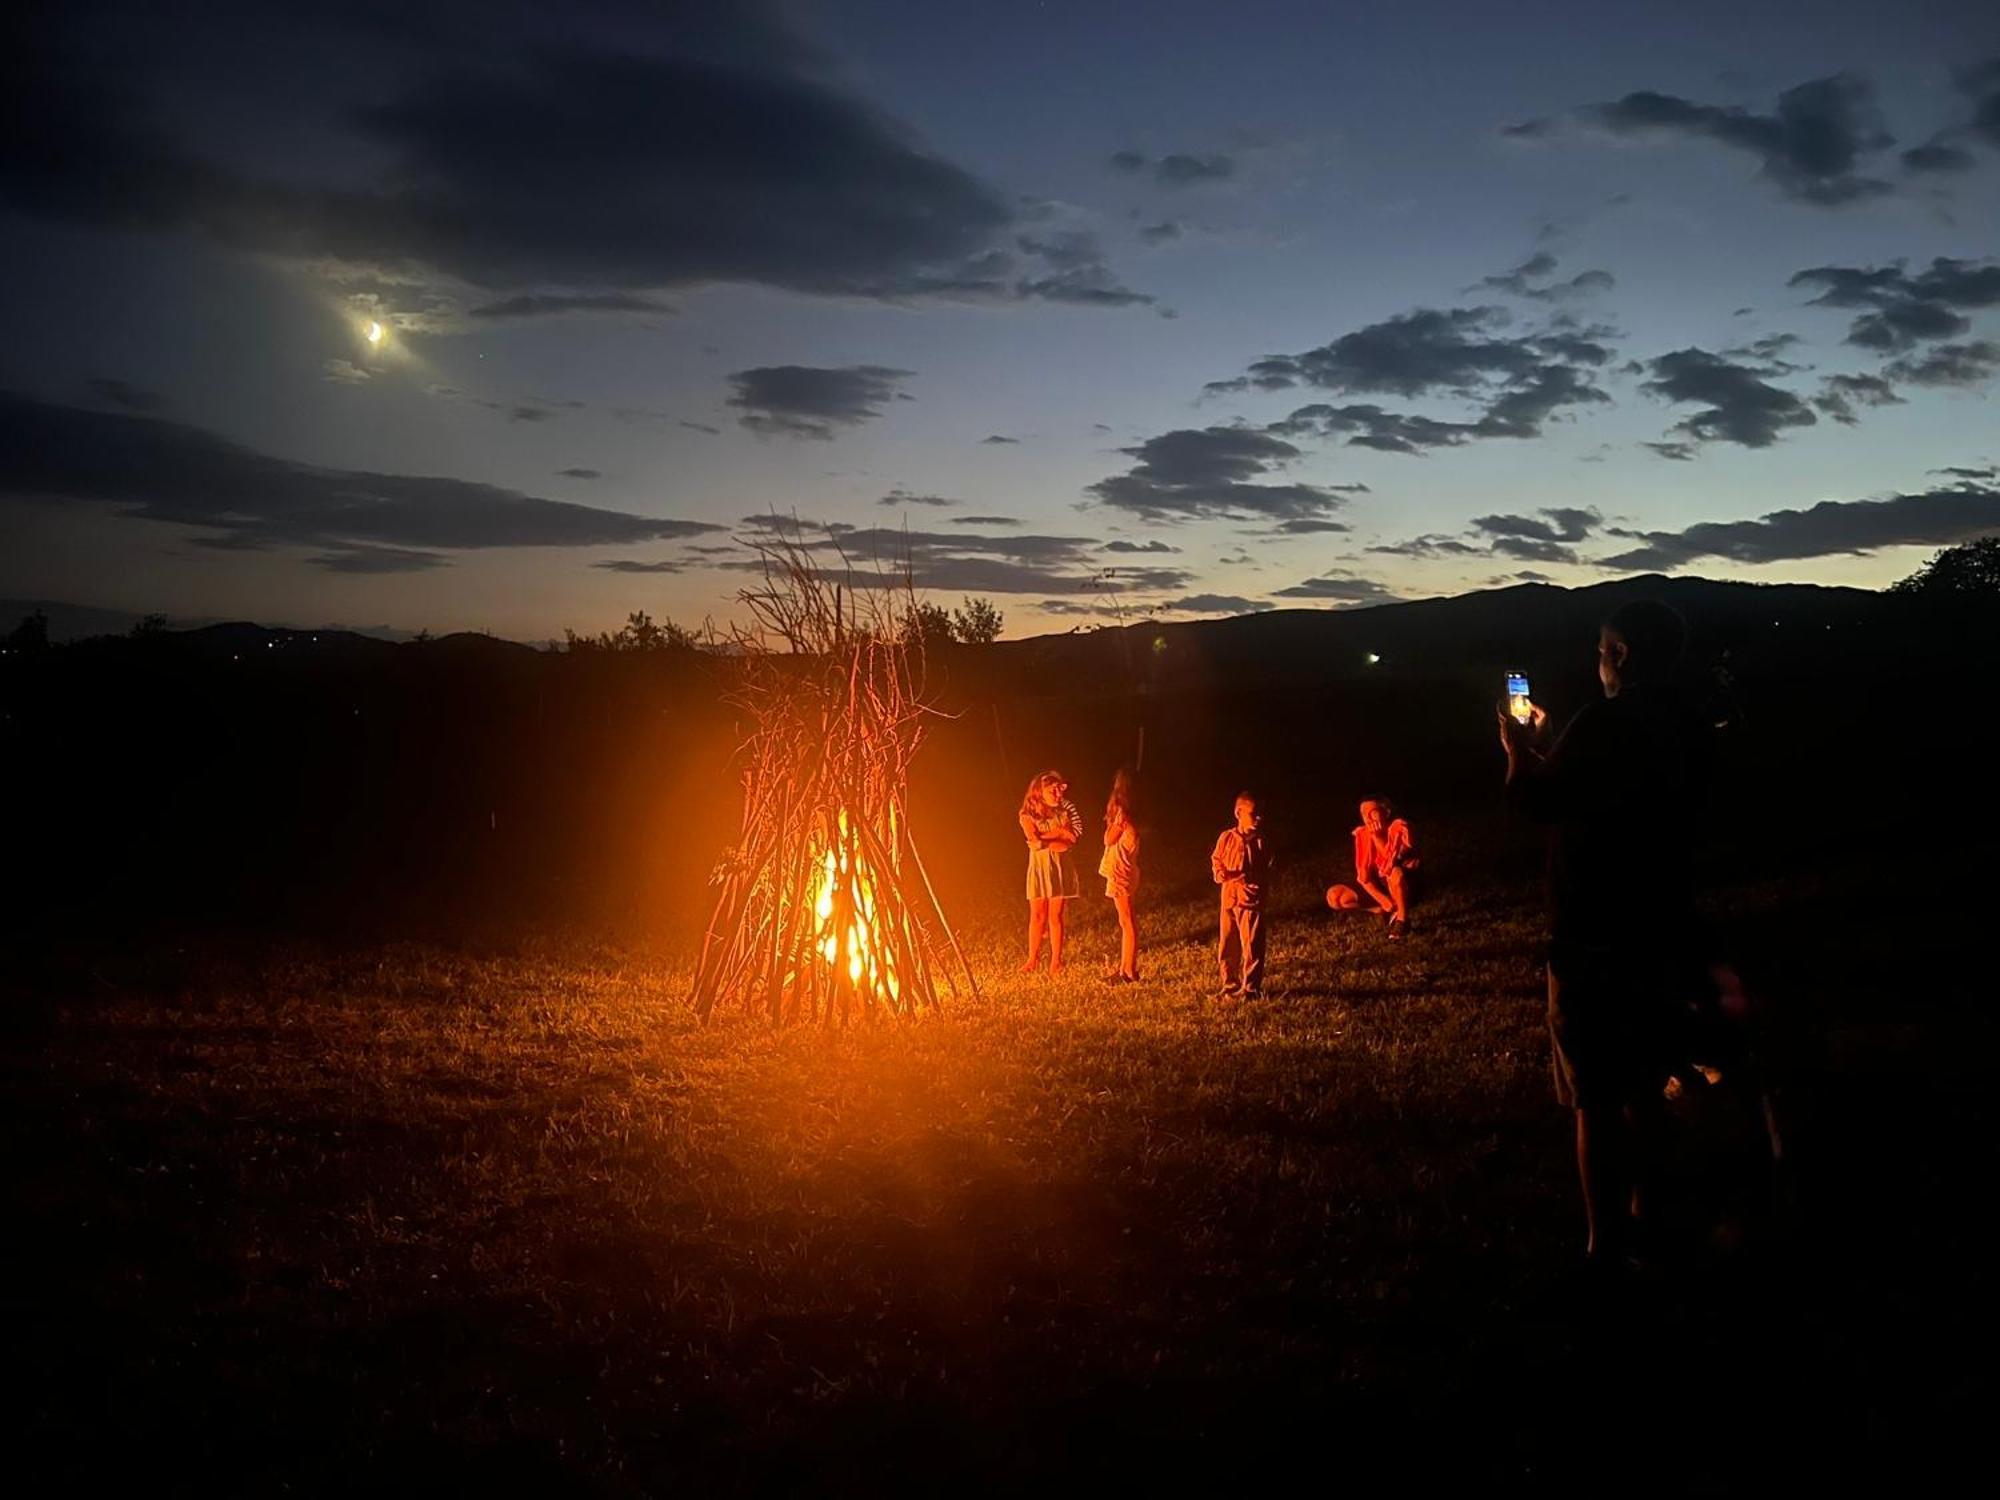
<point x="824" y="909"/>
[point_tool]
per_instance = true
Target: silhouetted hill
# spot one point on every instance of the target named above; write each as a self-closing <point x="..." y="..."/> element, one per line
<point x="237" y="773"/>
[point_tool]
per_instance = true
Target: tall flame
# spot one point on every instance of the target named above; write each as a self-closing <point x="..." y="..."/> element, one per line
<point x="845" y="874"/>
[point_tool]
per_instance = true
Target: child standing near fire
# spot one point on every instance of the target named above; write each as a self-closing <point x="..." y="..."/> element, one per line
<point x="1052" y="826"/>
<point x="1120" y="868"/>
<point x="1241" y="865"/>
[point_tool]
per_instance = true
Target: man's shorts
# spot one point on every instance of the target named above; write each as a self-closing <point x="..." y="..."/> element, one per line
<point x="1618" y="1023"/>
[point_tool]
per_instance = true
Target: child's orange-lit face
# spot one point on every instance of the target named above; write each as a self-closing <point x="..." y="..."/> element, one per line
<point x="1246" y="814"/>
<point x="1371" y="816"/>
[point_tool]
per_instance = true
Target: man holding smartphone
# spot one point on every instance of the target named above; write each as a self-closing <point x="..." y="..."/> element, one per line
<point x="1621" y="792"/>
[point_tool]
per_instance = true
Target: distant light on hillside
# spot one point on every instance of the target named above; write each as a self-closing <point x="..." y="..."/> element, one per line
<point x="1373" y="658"/>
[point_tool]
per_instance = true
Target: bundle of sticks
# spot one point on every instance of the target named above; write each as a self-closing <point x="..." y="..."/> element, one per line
<point x="824" y="908"/>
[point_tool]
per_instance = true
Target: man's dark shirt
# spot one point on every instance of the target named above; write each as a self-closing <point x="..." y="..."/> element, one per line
<point x="1623" y="790"/>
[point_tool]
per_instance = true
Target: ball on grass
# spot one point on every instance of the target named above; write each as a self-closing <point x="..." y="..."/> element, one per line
<point x="1342" y="897"/>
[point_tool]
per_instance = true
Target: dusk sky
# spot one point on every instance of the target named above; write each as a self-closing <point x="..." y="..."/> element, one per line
<point x="1172" y="308"/>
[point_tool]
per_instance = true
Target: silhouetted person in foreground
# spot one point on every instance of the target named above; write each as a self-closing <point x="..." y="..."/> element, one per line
<point x="1621" y="790"/>
<point x="1241" y="865"/>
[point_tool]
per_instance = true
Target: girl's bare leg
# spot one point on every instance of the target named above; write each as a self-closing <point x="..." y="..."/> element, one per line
<point x="1038" y="919"/>
<point x="1056" y="905"/>
<point x="1128" y="936"/>
<point x="1397" y="889"/>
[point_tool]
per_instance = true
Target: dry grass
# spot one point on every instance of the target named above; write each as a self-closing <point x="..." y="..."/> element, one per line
<point x="315" y="1219"/>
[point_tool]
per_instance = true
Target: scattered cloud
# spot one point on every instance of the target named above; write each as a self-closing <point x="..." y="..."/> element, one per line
<point x="700" y="427"/>
<point x="157" y="470"/>
<point x="1432" y="545"/>
<point x="1532" y="279"/>
<point x="122" y="393"/>
<point x="1937" y="517"/>
<point x="373" y="560"/>
<point x="879" y="556"/>
<point x="1160" y="233"/>
<point x="1121" y="545"/>
<point x="1839" y="395"/>
<point x="1810" y="147"/>
<point x="1344" y="590"/>
<point x="580" y="473"/>
<point x="1216" y="604"/>
<point x="1902" y="310"/>
<point x="806" y="401"/>
<point x="1973" y="363"/>
<point x="984" y="521"/>
<point x="1737" y="404"/>
<point x="628" y="565"/>
<point x="1209" y="472"/>
<point x="996" y="439"/>
<point x="343" y="372"/>
<point x="1176" y="169"/>
<point x="1520" y="381"/>
<point x="547" y="304"/>
<point x="904" y="497"/>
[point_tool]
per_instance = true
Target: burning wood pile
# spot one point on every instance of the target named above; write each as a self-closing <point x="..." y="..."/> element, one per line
<point x="824" y="908"/>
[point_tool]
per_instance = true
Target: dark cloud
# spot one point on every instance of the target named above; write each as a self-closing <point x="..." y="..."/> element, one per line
<point x="1005" y="564"/>
<point x="1530" y="279"/>
<point x="1530" y="549"/>
<point x="1938" y="517"/>
<point x="904" y="497"/>
<point x="122" y="393"/>
<point x="1738" y="405"/>
<point x="628" y="565"/>
<point x="1839" y="395"/>
<point x="157" y="470"/>
<point x="1203" y="473"/>
<point x="996" y="439"/>
<point x="1680" y="453"/>
<point x="1429" y="546"/>
<point x="343" y="372"/>
<point x="1522" y="380"/>
<point x="1810" y="147"/>
<point x="1121" y="545"/>
<point x="1963" y="471"/>
<point x="1309" y="525"/>
<point x="580" y="473"/>
<point x="984" y="521"/>
<point x="1969" y="364"/>
<point x="810" y="402"/>
<point x="1905" y="310"/>
<point x="1216" y="604"/>
<point x="1346" y="590"/>
<point x="1160" y="233"/>
<point x="1937" y="156"/>
<point x="1554" y="524"/>
<point x="367" y="560"/>
<point x="1073" y="268"/>
<point x="1176" y="169"/>
<point x="561" y="152"/>
<point x="700" y="427"/>
<point x="545" y="304"/>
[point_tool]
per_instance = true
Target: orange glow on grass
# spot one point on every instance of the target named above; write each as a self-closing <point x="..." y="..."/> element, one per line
<point x="844" y="905"/>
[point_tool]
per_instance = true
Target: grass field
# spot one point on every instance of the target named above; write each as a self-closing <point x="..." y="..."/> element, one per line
<point x="297" y="1219"/>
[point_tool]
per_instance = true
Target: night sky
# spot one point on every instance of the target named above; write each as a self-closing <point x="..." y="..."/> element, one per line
<point x="1171" y="308"/>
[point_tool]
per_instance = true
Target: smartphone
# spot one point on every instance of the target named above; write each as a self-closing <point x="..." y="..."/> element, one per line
<point x="1517" y="698"/>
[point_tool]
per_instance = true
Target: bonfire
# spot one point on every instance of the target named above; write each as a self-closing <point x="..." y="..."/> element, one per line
<point x="824" y="908"/>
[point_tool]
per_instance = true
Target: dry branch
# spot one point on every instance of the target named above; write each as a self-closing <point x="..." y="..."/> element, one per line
<point x="823" y="905"/>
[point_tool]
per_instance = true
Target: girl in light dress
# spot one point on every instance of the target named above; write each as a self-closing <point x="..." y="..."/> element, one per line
<point x="1052" y="826"/>
<point x="1120" y="868"/>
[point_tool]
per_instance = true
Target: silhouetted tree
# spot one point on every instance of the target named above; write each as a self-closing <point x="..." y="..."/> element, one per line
<point x="979" y="623"/>
<point x="928" y="625"/>
<point x="1969" y="571"/>
<point x="150" y="627"/>
<point x="32" y="634"/>
<point x="640" y="633"/>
